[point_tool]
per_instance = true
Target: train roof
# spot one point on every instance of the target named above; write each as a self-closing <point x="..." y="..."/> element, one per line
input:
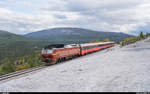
<point x="60" y="46"/>
<point x="73" y="45"/>
<point x="54" y="46"/>
<point x="90" y="44"/>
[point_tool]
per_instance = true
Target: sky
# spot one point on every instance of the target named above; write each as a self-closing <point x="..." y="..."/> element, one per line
<point x="25" y="16"/>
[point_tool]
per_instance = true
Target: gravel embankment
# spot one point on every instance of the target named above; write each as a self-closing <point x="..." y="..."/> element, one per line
<point x="114" y="69"/>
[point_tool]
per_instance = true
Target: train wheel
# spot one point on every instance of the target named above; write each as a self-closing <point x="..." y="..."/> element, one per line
<point x="64" y="58"/>
<point x="73" y="56"/>
<point x="70" y="58"/>
<point x="58" y="61"/>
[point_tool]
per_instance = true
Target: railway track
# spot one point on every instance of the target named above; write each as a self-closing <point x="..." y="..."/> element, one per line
<point x="21" y="72"/>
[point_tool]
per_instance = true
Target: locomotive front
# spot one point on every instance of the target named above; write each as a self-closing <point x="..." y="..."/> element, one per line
<point x="48" y="53"/>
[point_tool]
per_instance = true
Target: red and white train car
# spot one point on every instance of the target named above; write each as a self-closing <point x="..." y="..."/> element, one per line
<point x="92" y="47"/>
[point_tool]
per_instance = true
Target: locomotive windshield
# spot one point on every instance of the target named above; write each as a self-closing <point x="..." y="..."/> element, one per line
<point x="47" y="51"/>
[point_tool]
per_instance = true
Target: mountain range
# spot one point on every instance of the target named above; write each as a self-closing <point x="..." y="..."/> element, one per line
<point x="75" y="35"/>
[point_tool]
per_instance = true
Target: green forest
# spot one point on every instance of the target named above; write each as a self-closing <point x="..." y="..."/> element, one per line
<point x="134" y="39"/>
<point x="18" y="52"/>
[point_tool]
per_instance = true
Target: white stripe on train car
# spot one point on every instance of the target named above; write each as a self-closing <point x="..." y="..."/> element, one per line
<point x="90" y="44"/>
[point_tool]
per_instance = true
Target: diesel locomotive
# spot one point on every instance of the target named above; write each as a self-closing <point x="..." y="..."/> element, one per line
<point x="55" y="53"/>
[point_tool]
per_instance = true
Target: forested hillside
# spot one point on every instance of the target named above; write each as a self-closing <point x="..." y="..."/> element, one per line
<point x="12" y="46"/>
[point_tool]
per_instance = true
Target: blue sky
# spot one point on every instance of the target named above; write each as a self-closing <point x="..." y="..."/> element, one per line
<point x="25" y="16"/>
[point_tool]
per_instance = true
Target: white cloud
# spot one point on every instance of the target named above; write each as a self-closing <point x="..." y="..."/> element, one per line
<point x="109" y="15"/>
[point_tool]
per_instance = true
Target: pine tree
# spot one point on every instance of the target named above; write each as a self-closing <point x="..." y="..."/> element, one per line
<point x="141" y="35"/>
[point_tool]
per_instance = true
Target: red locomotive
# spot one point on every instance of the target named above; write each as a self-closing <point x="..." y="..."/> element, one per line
<point x="52" y="54"/>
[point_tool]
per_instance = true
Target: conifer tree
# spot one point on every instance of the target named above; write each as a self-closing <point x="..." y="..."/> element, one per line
<point x="141" y="35"/>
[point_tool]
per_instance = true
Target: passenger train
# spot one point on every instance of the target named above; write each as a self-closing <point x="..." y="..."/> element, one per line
<point x="55" y="53"/>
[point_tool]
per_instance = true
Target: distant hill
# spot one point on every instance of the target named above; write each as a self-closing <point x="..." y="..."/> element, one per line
<point x="12" y="45"/>
<point x="75" y="35"/>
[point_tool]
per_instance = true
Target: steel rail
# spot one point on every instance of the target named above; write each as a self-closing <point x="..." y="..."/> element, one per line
<point x="21" y="72"/>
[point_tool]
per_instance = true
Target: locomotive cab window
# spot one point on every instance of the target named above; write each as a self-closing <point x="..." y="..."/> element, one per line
<point x="47" y="51"/>
<point x="43" y="51"/>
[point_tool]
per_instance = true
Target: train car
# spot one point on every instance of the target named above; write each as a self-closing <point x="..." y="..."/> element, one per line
<point x="55" y="53"/>
<point x="92" y="47"/>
